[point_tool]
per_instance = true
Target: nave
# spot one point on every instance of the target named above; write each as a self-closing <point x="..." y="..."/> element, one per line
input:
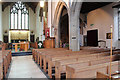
<point x="24" y="67"/>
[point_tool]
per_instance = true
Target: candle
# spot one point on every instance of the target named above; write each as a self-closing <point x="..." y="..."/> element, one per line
<point x="111" y="28"/>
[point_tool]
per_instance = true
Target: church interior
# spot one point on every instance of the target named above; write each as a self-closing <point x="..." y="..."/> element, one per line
<point x="61" y="39"/>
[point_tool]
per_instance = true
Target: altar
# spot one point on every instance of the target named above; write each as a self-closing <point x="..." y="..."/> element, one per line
<point x="23" y="45"/>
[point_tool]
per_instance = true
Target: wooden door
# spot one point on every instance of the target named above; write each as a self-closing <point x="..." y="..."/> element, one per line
<point x="92" y="38"/>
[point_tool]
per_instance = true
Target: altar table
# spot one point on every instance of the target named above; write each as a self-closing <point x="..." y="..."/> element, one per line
<point x="23" y="45"/>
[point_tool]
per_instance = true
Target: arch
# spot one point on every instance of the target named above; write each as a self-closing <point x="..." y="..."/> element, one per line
<point x="56" y="20"/>
<point x="73" y="15"/>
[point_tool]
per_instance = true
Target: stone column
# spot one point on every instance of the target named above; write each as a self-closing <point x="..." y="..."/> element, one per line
<point x="1" y="30"/>
<point x="74" y="26"/>
<point x="115" y="31"/>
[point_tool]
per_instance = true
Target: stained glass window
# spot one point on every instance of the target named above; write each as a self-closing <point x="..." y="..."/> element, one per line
<point x="19" y="16"/>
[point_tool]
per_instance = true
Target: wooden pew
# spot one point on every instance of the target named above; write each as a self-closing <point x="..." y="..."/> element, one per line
<point x="51" y="61"/>
<point x="88" y="72"/>
<point x="45" y="55"/>
<point x="39" y="55"/>
<point x="114" y="71"/>
<point x="5" y="60"/>
<point x="61" y="55"/>
<point x="36" y="51"/>
<point x="6" y="55"/>
<point x="45" y="63"/>
<point x="1" y="66"/>
<point x="34" y="45"/>
<point x="36" y="55"/>
<point x="60" y="66"/>
<point x="114" y="76"/>
<point x="42" y="55"/>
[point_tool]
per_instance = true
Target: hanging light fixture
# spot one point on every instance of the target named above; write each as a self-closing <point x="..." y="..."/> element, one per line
<point x="41" y="3"/>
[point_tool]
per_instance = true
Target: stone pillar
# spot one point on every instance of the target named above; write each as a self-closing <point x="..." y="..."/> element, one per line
<point x="115" y="32"/>
<point x="74" y="26"/>
<point x="1" y="30"/>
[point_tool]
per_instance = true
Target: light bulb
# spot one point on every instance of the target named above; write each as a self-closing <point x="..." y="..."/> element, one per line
<point x="41" y="3"/>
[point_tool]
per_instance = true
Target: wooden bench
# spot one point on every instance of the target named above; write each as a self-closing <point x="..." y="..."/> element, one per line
<point x="37" y="54"/>
<point x="50" y="56"/>
<point x="90" y="71"/>
<point x="115" y="70"/>
<point x="45" y="51"/>
<point x="60" y="66"/>
<point x="51" y="61"/>
<point x="39" y="60"/>
<point x="5" y="60"/>
<point x="36" y="51"/>
<point x="1" y="66"/>
<point x="6" y="55"/>
<point x="114" y="76"/>
<point x="61" y="54"/>
<point x="48" y="60"/>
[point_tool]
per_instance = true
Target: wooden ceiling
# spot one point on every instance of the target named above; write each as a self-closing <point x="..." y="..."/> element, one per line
<point x="89" y="6"/>
<point x="32" y="5"/>
<point x="86" y="6"/>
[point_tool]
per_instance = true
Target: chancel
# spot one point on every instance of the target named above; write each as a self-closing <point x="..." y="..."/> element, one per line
<point x="59" y="39"/>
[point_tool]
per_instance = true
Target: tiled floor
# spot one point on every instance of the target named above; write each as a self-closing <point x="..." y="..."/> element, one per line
<point x="24" y="67"/>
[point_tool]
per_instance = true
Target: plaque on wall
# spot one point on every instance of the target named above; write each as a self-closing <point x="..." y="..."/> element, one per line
<point x="73" y="38"/>
<point x="108" y="35"/>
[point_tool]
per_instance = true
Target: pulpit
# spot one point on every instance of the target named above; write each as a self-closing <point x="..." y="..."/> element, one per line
<point x="50" y="42"/>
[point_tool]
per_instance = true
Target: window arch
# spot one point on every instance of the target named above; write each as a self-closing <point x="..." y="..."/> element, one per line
<point x="19" y="16"/>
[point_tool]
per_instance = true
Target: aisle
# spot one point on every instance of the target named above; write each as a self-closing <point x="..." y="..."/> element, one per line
<point x="24" y="67"/>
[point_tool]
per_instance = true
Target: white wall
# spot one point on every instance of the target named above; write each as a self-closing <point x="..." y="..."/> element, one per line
<point x="102" y="19"/>
<point x="6" y="19"/>
<point x="32" y="24"/>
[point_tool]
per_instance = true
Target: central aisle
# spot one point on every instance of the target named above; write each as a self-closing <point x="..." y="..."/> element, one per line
<point x="24" y="67"/>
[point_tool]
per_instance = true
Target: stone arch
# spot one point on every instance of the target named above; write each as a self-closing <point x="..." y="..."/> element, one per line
<point x="56" y="25"/>
<point x="73" y="14"/>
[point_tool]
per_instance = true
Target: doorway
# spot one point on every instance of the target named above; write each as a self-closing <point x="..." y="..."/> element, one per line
<point x="92" y="38"/>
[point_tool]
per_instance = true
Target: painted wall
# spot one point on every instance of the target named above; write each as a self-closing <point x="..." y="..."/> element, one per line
<point x="6" y="19"/>
<point x="102" y="19"/>
<point x="32" y="24"/>
<point x="39" y="25"/>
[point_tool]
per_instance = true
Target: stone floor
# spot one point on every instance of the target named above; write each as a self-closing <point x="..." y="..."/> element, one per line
<point x="24" y="67"/>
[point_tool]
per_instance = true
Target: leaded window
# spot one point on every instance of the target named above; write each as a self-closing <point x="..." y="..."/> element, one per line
<point x="19" y="16"/>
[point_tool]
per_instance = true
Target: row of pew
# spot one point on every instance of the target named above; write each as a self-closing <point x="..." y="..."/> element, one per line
<point x="34" y="45"/>
<point x="62" y="63"/>
<point x="5" y="60"/>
